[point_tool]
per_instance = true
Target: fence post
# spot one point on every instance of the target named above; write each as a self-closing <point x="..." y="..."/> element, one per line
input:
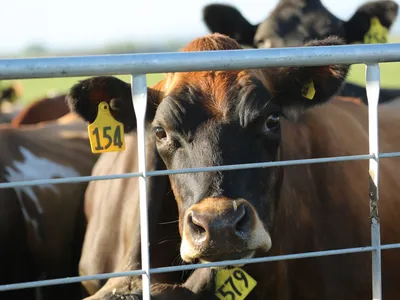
<point x="139" y="99"/>
<point x="373" y="89"/>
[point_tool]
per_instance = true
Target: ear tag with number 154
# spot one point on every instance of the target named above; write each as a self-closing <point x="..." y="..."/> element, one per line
<point x="106" y="134"/>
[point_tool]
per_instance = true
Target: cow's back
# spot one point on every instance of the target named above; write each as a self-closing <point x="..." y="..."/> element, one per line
<point x="110" y="214"/>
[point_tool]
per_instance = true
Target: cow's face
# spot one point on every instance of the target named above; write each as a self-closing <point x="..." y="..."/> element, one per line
<point x="219" y="118"/>
<point x="214" y="119"/>
<point x="294" y="22"/>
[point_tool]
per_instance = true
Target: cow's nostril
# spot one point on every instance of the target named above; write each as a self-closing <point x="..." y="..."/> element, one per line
<point x="243" y="221"/>
<point x="196" y="225"/>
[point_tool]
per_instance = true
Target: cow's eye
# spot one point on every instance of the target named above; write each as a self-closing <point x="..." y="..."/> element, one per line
<point x="272" y="123"/>
<point x="160" y="133"/>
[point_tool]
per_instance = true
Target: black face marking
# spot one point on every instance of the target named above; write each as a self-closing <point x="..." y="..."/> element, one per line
<point x="245" y="130"/>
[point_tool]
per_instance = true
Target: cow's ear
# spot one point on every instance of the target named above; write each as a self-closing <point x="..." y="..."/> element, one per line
<point x="377" y="16"/>
<point x="228" y="20"/>
<point x="85" y="96"/>
<point x="298" y="88"/>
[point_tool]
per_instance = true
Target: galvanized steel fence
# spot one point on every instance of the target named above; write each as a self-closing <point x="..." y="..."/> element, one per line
<point x="137" y="65"/>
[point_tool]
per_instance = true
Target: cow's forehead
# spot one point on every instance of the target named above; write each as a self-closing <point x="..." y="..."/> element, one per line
<point x="190" y="99"/>
<point x="214" y="90"/>
<point x="207" y="82"/>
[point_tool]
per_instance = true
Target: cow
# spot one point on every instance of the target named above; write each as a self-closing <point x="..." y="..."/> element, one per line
<point x="11" y="93"/>
<point x="293" y="22"/>
<point x="8" y="96"/>
<point x="214" y="118"/>
<point x="40" y="110"/>
<point x="42" y="227"/>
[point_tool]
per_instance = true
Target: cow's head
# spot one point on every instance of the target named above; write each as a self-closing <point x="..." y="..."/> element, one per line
<point x="294" y="22"/>
<point x="11" y="93"/>
<point x="219" y="118"/>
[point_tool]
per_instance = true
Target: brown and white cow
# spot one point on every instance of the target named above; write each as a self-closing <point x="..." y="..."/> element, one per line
<point x="42" y="227"/>
<point x="293" y="22"/>
<point x="213" y="118"/>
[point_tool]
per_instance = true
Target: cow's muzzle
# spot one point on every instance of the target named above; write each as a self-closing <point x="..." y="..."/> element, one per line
<point x="222" y="229"/>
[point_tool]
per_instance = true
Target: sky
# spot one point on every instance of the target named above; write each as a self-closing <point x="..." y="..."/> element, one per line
<point x="70" y="24"/>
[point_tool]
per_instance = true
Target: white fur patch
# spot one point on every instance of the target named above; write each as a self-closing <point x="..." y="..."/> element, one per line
<point x="33" y="168"/>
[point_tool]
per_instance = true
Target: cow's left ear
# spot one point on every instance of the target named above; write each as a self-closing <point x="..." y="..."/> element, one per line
<point x="371" y="22"/>
<point x="85" y="96"/>
<point x="298" y="88"/>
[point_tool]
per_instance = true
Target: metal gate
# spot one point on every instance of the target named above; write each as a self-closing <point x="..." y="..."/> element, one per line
<point x="137" y="65"/>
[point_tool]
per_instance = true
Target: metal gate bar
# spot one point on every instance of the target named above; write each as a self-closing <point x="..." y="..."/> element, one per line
<point x="139" y="99"/>
<point x="373" y="89"/>
<point x="196" y="61"/>
<point x="196" y="170"/>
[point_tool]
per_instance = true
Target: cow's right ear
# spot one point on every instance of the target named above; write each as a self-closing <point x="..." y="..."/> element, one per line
<point x="85" y="96"/>
<point x="376" y="15"/>
<point x="228" y="20"/>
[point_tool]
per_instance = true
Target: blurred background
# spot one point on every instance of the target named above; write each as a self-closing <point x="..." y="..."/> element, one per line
<point x="83" y="27"/>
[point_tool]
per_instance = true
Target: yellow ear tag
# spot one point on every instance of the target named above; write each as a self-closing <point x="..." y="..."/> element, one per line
<point x="377" y="33"/>
<point x="233" y="284"/>
<point x="106" y="134"/>
<point x="308" y="90"/>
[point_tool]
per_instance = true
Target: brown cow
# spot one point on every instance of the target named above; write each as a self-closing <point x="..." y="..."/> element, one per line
<point x="42" y="227"/>
<point x="213" y="118"/>
<point x="44" y="109"/>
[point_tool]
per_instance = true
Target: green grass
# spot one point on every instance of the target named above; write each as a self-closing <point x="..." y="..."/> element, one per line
<point x="390" y="74"/>
<point x="37" y="88"/>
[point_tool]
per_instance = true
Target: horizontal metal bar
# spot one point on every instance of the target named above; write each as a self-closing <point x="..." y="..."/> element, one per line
<point x="68" y="280"/>
<point x="78" y="179"/>
<point x="263" y="259"/>
<point x="182" y="171"/>
<point x="196" y="61"/>
<point x="390" y="246"/>
<point x="389" y="155"/>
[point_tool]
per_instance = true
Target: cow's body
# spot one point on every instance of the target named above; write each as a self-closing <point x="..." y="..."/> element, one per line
<point x="42" y="227"/>
<point x="294" y="22"/>
<point x="40" y="110"/>
<point x="308" y="208"/>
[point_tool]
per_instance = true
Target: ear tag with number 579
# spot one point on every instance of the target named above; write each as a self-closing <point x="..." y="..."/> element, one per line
<point x="106" y="134"/>
<point x="233" y="284"/>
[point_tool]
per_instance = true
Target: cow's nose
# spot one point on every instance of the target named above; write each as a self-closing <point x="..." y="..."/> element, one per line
<point x="220" y="226"/>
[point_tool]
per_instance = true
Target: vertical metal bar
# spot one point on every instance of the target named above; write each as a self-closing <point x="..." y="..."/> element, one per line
<point x="373" y="89"/>
<point x="139" y="99"/>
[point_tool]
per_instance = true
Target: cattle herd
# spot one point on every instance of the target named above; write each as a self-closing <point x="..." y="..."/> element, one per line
<point x="200" y="119"/>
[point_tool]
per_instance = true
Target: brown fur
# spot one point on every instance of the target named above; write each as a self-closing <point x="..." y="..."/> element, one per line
<point x="45" y="109"/>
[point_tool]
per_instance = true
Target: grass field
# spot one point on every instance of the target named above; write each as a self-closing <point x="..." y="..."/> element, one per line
<point x="36" y="88"/>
